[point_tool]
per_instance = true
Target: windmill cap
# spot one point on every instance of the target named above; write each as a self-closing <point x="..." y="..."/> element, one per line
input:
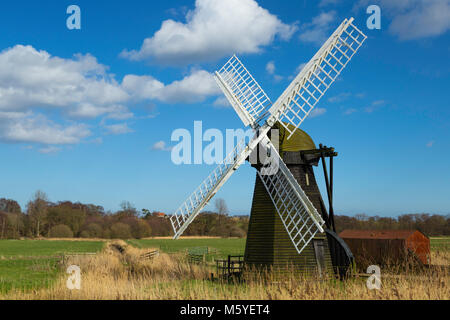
<point x="299" y="141"/>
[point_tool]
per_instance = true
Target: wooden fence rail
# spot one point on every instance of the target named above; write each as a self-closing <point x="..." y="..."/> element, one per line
<point x="150" y="255"/>
<point x="232" y="266"/>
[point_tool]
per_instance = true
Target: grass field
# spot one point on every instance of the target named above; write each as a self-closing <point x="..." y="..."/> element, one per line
<point x="220" y="248"/>
<point x="28" y="271"/>
<point x="440" y="243"/>
<point x="30" y="264"/>
<point x="39" y="248"/>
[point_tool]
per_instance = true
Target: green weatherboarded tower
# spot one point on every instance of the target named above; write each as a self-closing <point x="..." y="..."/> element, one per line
<point x="268" y="243"/>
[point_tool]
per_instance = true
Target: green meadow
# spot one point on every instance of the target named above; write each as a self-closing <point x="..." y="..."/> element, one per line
<point x="217" y="248"/>
<point x="33" y="264"/>
<point x="39" y="248"/>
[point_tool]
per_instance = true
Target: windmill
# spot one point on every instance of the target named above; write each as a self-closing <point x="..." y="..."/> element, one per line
<point x="297" y="222"/>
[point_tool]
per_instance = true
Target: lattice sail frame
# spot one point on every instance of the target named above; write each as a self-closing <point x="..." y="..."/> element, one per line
<point x="300" y="98"/>
<point x="243" y="92"/>
<point x="299" y="216"/>
<point x="190" y="209"/>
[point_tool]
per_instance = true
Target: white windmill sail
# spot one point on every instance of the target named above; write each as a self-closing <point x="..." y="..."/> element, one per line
<point x="299" y="216"/>
<point x="243" y="92"/>
<point x="303" y="94"/>
<point x="190" y="209"/>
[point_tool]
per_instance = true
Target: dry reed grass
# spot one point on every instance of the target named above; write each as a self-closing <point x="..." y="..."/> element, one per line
<point x="112" y="275"/>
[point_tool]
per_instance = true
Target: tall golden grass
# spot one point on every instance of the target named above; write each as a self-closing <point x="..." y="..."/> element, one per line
<point x="112" y="275"/>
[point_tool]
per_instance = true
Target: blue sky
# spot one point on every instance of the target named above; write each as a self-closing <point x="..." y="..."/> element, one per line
<point x="87" y="115"/>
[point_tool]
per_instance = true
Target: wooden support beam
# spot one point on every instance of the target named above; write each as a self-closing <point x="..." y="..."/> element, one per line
<point x="331" y="195"/>
<point x="327" y="182"/>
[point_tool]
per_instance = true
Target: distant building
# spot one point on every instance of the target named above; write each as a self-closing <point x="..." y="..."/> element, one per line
<point x="159" y="215"/>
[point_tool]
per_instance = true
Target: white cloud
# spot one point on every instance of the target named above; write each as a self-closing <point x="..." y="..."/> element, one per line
<point x="340" y="97"/>
<point x="215" y="28"/>
<point x="317" y="112"/>
<point x="270" y="67"/>
<point x="415" y="19"/>
<point x="30" y="128"/>
<point x="278" y="78"/>
<point x="319" y="29"/>
<point x="350" y="111"/>
<point x="34" y="83"/>
<point x="50" y="149"/>
<point x="161" y="146"/>
<point x="115" y="129"/>
<point x="374" y="106"/>
<point x="193" y="88"/>
<point x="222" y="102"/>
<point x="80" y="87"/>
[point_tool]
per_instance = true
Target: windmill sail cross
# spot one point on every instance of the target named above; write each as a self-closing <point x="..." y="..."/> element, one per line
<point x="300" y="218"/>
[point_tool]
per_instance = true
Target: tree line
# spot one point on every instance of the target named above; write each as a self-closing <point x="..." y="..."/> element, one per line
<point x="65" y="219"/>
<point x="430" y="225"/>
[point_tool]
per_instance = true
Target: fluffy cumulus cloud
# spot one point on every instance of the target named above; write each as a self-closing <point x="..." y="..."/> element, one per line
<point x="222" y="102"/>
<point x="26" y="127"/>
<point x="415" y="19"/>
<point x="34" y="83"/>
<point x="215" y="28"/>
<point x="79" y="86"/>
<point x="193" y="88"/>
<point x="319" y="29"/>
<point x="120" y="128"/>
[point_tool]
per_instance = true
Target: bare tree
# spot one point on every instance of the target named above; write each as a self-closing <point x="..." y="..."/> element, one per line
<point x="37" y="209"/>
<point x="221" y="207"/>
<point x="128" y="209"/>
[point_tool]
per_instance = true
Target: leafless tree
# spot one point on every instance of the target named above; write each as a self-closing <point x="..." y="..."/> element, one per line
<point x="37" y="209"/>
<point x="221" y="207"/>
